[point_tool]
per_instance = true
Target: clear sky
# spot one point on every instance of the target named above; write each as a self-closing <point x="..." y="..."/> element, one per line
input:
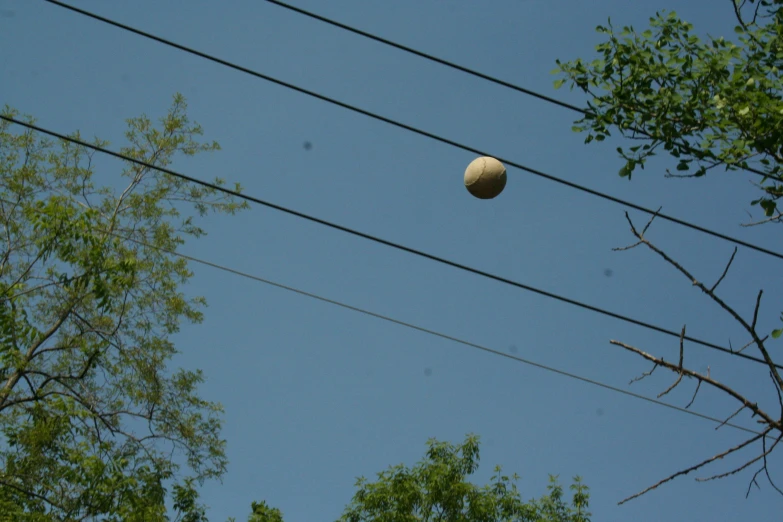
<point x="316" y="395"/>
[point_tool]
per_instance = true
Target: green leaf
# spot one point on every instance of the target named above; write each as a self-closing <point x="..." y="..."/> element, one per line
<point x="777" y="333"/>
<point x="559" y="83"/>
<point x="769" y="207"/>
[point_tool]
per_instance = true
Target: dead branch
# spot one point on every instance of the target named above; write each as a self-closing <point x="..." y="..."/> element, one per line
<point x="694" y="395"/>
<point x="697" y="466"/>
<point x="643" y="375"/>
<point x="776" y="424"/>
<point x="730" y="417"/>
<point x="748" y="327"/>
<point x="725" y="270"/>
<point x="746" y="465"/>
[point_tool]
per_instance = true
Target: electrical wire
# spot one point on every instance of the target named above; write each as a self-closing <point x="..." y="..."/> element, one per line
<point x="464" y="69"/>
<point x="385" y="242"/>
<point x="417" y="131"/>
<point x="430" y="57"/>
<point x="435" y="333"/>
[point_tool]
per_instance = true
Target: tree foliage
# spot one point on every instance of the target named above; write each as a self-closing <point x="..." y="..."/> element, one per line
<point x="437" y="489"/>
<point x="714" y="102"/>
<point x="94" y="424"/>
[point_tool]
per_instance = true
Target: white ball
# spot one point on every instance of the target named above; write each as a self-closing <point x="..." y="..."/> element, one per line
<point x="485" y="177"/>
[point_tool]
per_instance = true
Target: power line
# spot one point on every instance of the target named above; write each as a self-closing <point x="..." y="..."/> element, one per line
<point x="385" y="242"/>
<point x="430" y="57"/>
<point x="434" y="333"/>
<point x="466" y="70"/>
<point x="418" y="131"/>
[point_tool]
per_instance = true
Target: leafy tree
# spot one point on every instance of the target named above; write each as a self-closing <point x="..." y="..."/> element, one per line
<point x="708" y="103"/>
<point x="436" y="489"/>
<point x="93" y="423"/>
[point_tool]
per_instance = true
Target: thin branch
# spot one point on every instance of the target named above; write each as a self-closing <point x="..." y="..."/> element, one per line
<point x="703" y="378"/>
<point x="679" y="377"/>
<point x="766" y="468"/>
<point x="694" y="395"/>
<point x="725" y="270"/>
<point x="756" y="310"/>
<point x="764" y="453"/>
<point x="643" y="375"/>
<point x="730" y="417"/>
<point x="699" y="465"/>
<point x="776" y="217"/>
<point x="751" y="342"/>
<point x="650" y="221"/>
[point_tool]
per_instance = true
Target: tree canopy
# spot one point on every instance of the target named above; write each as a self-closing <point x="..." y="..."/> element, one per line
<point x="711" y="102"/>
<point x="93" y="421"/>
<point x="436" y="489"/>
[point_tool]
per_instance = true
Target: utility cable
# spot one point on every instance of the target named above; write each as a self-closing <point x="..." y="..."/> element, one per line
<point x="418" y="131"/>
<point x="464" y="69"/>
<point x="388" y="243"/>
<point x="436" y="334"/>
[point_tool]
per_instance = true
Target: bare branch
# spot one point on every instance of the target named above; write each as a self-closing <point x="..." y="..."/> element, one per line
<point x="694" y="395"/>
<point x="777" y="217"/>
<point x="725" y="270"/>
<point x="766" y="468"/>
<point x="644" y="230"/>
<point x="730" y="417"/>
<point x="763" y="455"/>
<point x="756" y="310"/>
<point x="750" y="329"/>
<point x="751" y="342"/>
<point x="699" y="465"/>
<point x="704" y="378"/>
<point x="643" y="375"/>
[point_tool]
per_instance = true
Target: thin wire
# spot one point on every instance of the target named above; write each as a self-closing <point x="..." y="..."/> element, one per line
<point x="464" y="69"/>
<point x="435" y="333"/>
<point x="417" y="131"/>
<point x="381" y="241"/>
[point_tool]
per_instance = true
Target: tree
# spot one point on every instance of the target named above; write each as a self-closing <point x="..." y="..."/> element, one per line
<point x="708" y="104"/>
<point x="436" y="489"/>
<point x="94" y="424"/>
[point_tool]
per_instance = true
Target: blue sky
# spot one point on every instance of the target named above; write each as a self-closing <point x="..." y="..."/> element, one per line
<point x="316" y="395"/>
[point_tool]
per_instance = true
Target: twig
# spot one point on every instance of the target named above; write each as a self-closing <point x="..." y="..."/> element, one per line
<point x="725" y="270"/>
<point x="767" y="220"/>
<point x="730" y="417"/>
<point x="694" y="395"/>
<point x="752" y="341"/>
<point x="643" y="375"/>
<point x="679" y="377"/>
